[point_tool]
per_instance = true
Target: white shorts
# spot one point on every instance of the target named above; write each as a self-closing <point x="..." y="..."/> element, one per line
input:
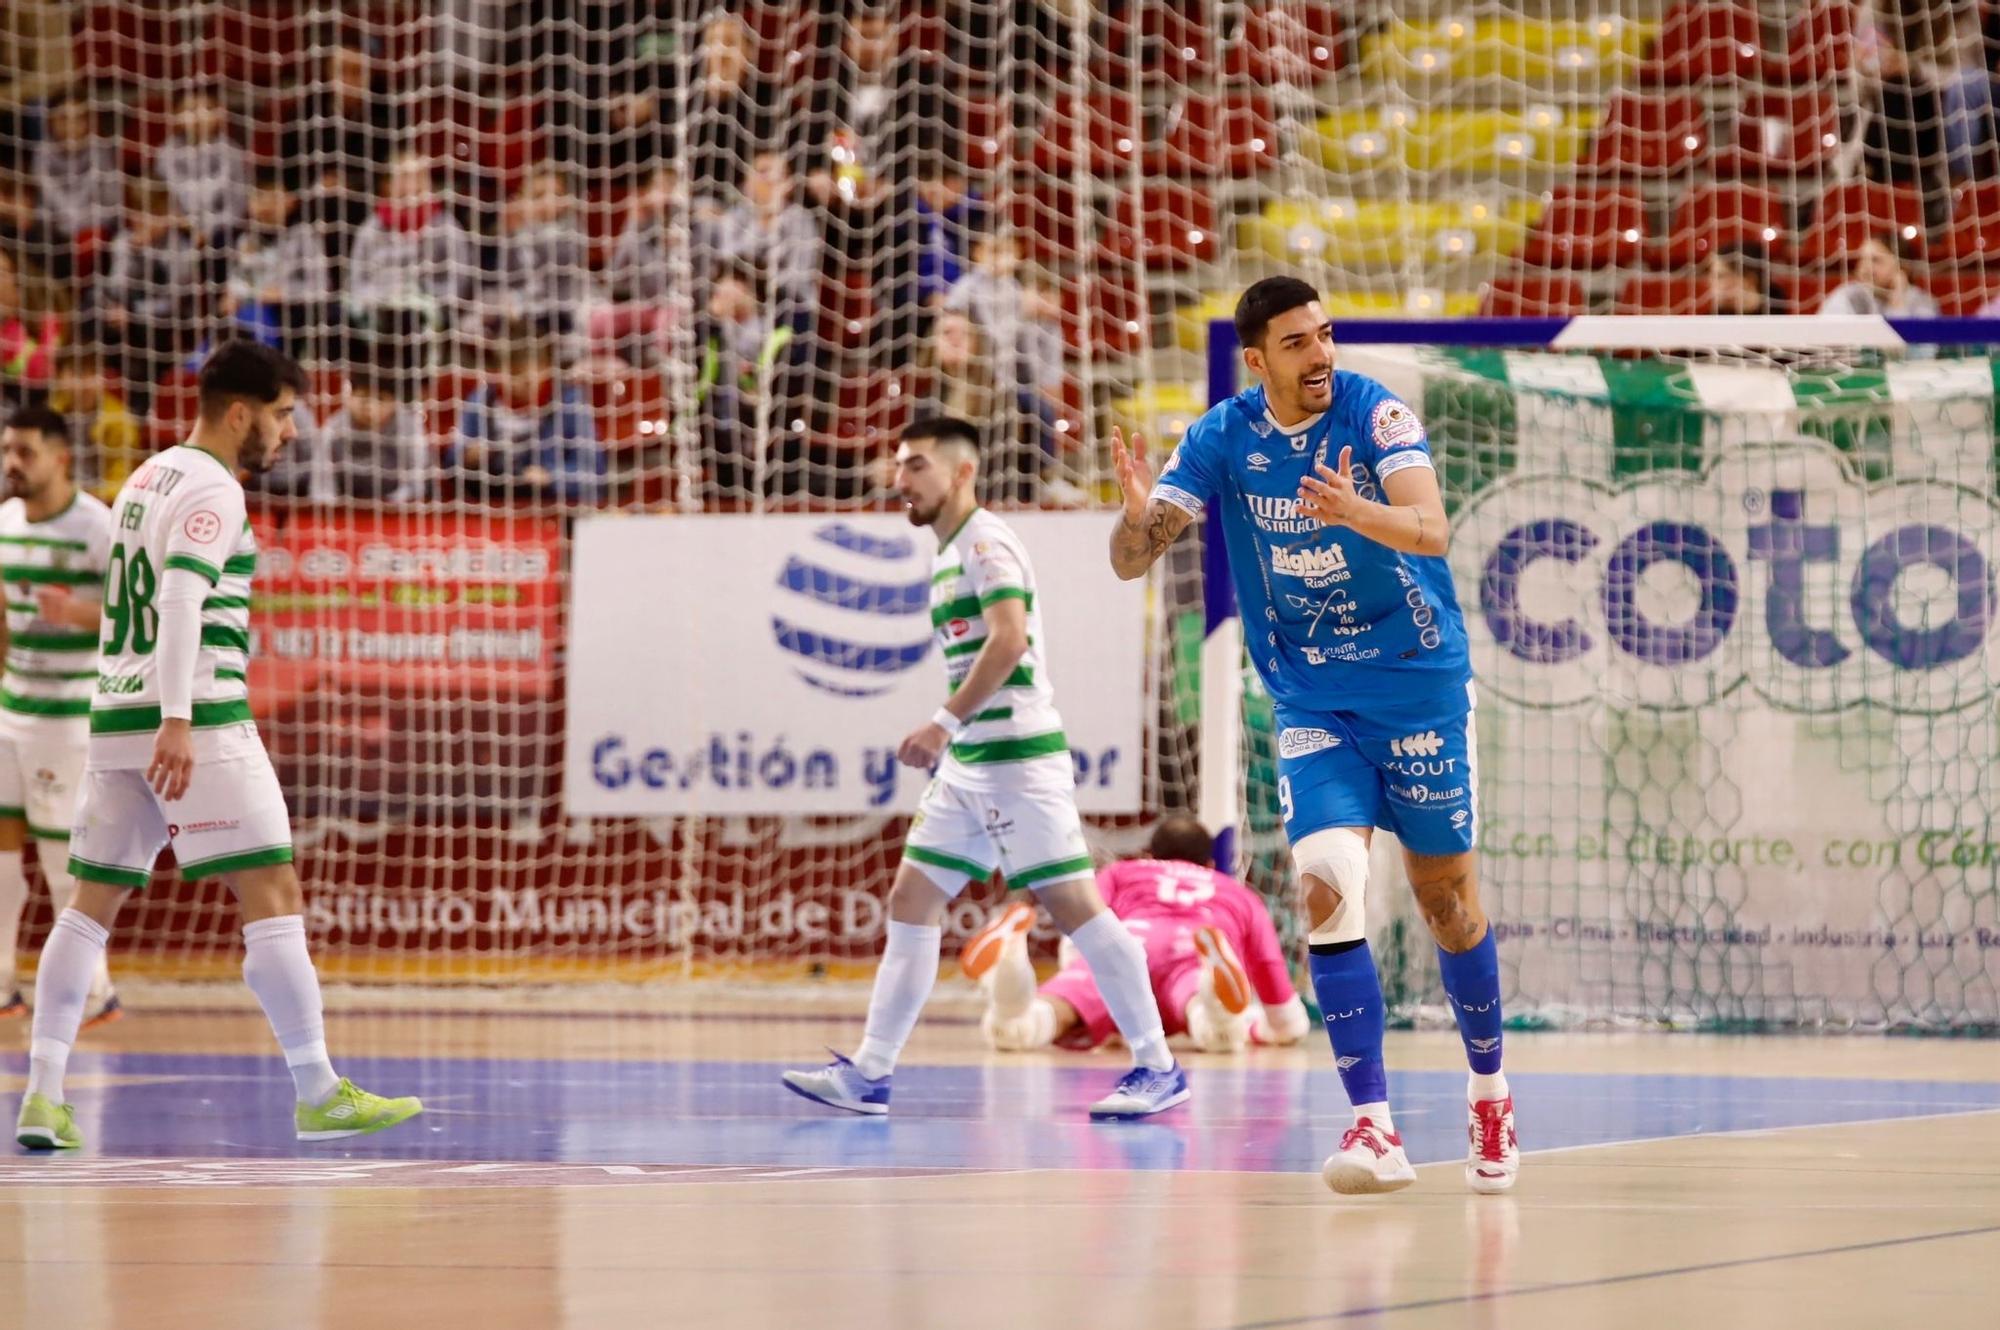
<point x="233" y="817"/>
<point x="41" y="771"/>
<point x="1033" y="836"/>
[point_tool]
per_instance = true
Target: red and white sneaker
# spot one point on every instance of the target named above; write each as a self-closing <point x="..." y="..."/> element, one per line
<point x="1369" y="1160"/>
<point x="1223" y="971"/>
<point x="1495" y="1156"/>
<point x="984" y="949"/>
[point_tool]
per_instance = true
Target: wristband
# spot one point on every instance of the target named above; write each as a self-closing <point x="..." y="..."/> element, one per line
<point x="947" y="722"/>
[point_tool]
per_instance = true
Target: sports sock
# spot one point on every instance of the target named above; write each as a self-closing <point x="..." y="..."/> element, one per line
<point x="1118" y="964"/>
<point x="279" y="970"/>
<point x="13" y="899"/>
<point x="902" y="984"/>
<point x="1472" y="984"/>
<point x="62" y="986"/>
<point x="53" y="856"/>
<point x="1350" y="1001"/>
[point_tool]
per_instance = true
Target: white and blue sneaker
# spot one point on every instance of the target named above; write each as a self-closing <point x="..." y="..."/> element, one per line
<point x="840" y="1084"/>
<point x="1141" y="1093"/>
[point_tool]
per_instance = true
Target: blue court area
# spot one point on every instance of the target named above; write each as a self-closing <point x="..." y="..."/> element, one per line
<point x="1002" y="1116"/>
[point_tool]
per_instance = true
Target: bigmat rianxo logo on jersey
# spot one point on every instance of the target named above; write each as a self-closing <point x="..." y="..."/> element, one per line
<point x="1778" y="568"/>
<point x="853" y="610"/>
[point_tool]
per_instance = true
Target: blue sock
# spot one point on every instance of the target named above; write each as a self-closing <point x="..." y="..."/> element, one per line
<point x="1350" y="1001"/>
<point x="1472" y="985"/>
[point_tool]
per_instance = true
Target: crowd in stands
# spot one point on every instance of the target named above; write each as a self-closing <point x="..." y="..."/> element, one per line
<point x="460" y="313"/>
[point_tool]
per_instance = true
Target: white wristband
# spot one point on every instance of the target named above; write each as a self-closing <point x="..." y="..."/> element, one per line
<point x="947" y="722"/>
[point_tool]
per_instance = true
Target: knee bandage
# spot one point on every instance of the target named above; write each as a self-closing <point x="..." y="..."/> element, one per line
<point x="1339" y="858"/>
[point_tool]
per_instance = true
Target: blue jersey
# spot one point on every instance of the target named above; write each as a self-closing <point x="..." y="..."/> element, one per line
<point x="1334" y="621"/>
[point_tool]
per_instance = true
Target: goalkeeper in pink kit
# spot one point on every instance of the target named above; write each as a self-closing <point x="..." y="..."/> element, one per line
<point x="1218" y="971"/>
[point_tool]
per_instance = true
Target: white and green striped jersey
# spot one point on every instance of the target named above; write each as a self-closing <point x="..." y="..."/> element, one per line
<point x="1017" y="737"/>
<point x="50" y="666"/>
<point x="182" y="509"/>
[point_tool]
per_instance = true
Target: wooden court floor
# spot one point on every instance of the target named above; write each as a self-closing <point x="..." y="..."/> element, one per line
<point x="601" y="1169"/>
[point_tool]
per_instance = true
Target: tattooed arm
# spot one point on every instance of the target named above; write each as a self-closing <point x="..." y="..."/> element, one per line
<point x="1135" y="544"/>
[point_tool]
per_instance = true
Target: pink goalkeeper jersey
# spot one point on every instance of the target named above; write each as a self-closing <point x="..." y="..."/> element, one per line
<point x="1165" y="901"/>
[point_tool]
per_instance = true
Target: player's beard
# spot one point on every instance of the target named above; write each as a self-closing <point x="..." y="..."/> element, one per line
<point x="919" y="515"/>
<point x="17" y="486"/>
<point x="258" y="451"/>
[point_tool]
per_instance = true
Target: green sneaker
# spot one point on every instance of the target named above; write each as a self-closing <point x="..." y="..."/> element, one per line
<point x="46" y="1125"/>
<point x="352" y="1111"/>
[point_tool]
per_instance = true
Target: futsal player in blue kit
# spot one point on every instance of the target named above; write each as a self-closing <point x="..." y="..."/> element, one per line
<point x="1336" y="534"/>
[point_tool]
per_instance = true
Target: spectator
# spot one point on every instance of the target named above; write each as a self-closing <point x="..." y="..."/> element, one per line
<point x="371" y="449"/>
<point x="642" y="265"/>
<point x="26" y="232"/>
<point x="149" y="296"/>
<point x="81" y="183"/>
<point x="28" y="340"/>
<point x="527" y="434"/>
<point x="347" y="125"/>
<point x="625" y="138"/>
<point x="752" y="380"/>
<point x="412" y="270"/>
<point x="774" y="233"/>
<point x="279" y="289"/>
<point x="104" y="434"/>
<point x="205" y="171"/>
<point x="1903" y="142"/>
<point x="964" y="385"/>
<point x="1739" y="281"/>
<point x="544" y="255"/>
<point x="727" y="114"/>
<point x="1877" y="283"/>
<point x="1021" y="322"/>
<point x="949" y="214"/>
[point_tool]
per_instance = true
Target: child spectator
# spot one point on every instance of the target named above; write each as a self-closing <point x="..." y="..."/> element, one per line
<point x="207" y="174"/>
<point x="965" y="385"/>
<point x="372" y="449"/>
<point x="1739" y="281"/>
<point x="526" y="433"/>
<point x="1021" y="322"/>
<point x="279" y="288"/>
<point x="1878" y="284"/>
<point x="544" y="256"/>
<point x="773" y="232"/>
<point x="411" y="253"/>
<point x="105" y="438"/>
<point x="82" y="186"/>
<point x="752" y="378"/>
<point x="149" y="295"/>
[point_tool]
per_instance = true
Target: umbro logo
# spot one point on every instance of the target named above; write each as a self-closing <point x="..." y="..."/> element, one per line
<point x="1344" y="1063"/>
<point x="341" y="1111"/>
<point x="1484" y="1045"/>
<point x="1258" y="461"/>
<point x="1426" y="744"/>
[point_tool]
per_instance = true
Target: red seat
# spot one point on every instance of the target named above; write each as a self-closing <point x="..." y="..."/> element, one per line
<point x="1289" y="43"/>
<point x="1116" y="326"/>
<point x="1716" y="216"/>
<point x="1964" y="290"/>
<point x="1860" y="210"/>
<point x="984" y="134"/>
<point x="847" y="312"/>
<point x="1819" y="45"/>
<point x="1176" y="226"/>
<point x="512" y="141"/>
<point x="1106" y="130"/>
<point x="1649" y="133"/>
<point x="141" y="130"/>
<point x="1042" y="210"/>
<point x="1202" y="138"/>
<point x="1171" y="44"/>
<point x="1583" y="227"/>
<point x="631" y="411"/>
<point x="175" y="409"/>
<point x="1782" y="134"/>
<point x="259" y="44"/>
<point x="1532" y="293"/>
<point x="1974" y="236"/>
<point x="1683" y="292"/>
<point x="869" y="407"/>
<point x="127" y="42"/>
<point x="1706" y="42"/>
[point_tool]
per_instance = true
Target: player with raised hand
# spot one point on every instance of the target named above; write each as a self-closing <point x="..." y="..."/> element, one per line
<point x="1335" y="532"/>
<point x="54" y="539"/>
<point x="1217" y="967"/>
<point x="175" y="755"/>
<point x="1004" y="794"/>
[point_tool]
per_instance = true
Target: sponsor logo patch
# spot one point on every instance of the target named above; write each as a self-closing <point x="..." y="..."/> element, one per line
<point x="1299" y="742"/>
<point x="1426" y="744"/>
<point x="202" y="528"/>
<point x="1395" y="425"/>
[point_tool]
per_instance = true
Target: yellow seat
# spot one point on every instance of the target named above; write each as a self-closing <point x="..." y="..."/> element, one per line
<point x="1536" y="52"/>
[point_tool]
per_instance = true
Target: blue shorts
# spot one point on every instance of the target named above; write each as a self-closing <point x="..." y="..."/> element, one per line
<point x="1409" y="769"/>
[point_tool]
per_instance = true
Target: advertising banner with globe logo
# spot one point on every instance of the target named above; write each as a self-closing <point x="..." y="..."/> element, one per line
<point x="733" y="664"/>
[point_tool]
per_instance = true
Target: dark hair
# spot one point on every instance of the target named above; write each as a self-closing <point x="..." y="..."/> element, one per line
<point x="1181" y="836"/>
<point x="249" y="371"/>
<point x="1749" y="259"/>
<point x="42" y="420"/>
<point x="943" y="429"/>
<point x="269" y="177"/>
<point x="1265" y="301"/>
<point x="741" y="270"/>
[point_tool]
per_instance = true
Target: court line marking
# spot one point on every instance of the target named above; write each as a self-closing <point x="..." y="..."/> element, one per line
<point x="1981" y="1111"/>
<point x="1605" y="1281"/>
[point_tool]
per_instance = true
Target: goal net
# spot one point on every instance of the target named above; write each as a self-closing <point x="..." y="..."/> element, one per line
<point x="612" y="310"/>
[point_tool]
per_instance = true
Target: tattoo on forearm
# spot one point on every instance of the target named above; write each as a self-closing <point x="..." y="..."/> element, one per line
<point x="1137" y="545"/>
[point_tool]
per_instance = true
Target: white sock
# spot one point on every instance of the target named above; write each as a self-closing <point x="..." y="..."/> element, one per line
<point x="62" y="986"/>
<point x="53" y="855"/>
<point x="1011" y="983"/>
<point x="280" y="972"/>
<point x="1377" y="1114"/>
<point x="1118" y="964"/>
<point x="13" y="900"/>
<point x="1480" y="1088"/>
<point x="902" y="985"/>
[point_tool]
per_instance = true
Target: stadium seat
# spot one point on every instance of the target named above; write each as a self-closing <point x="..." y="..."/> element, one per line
<point x="125" y="42"/>
<point x="1176" y="226"/>
<point x="1819" y="45"/>
<point x="1706" y="42"/>
<point x="1290" y="43"/>
<point x="1585" y="227"/>
<point x="848" y="312"/>
<point x="984" y="135"/>
<point x="1682" y="292"/>
<point x="1963" y="290"/>
<point x="1172" y="44"/>
<point x="176" y="407"/>
<point x="1108" y="128"/>
<point x="1116" y="326"/>
<point x="630" y="411"/>
<point x="1782" y="134"/>
<point x="1717" y="215"/>
<point x="1237" y="137"/>
<point x="1531" y="293"/>
<point x="1043" y="211"/>
<point x="1650" y="133"/>
<point x="257" y="45"/>
<point x="1974" y="235"/>
<point x="142" y="127"/>
<point x="1853" y="212"/>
